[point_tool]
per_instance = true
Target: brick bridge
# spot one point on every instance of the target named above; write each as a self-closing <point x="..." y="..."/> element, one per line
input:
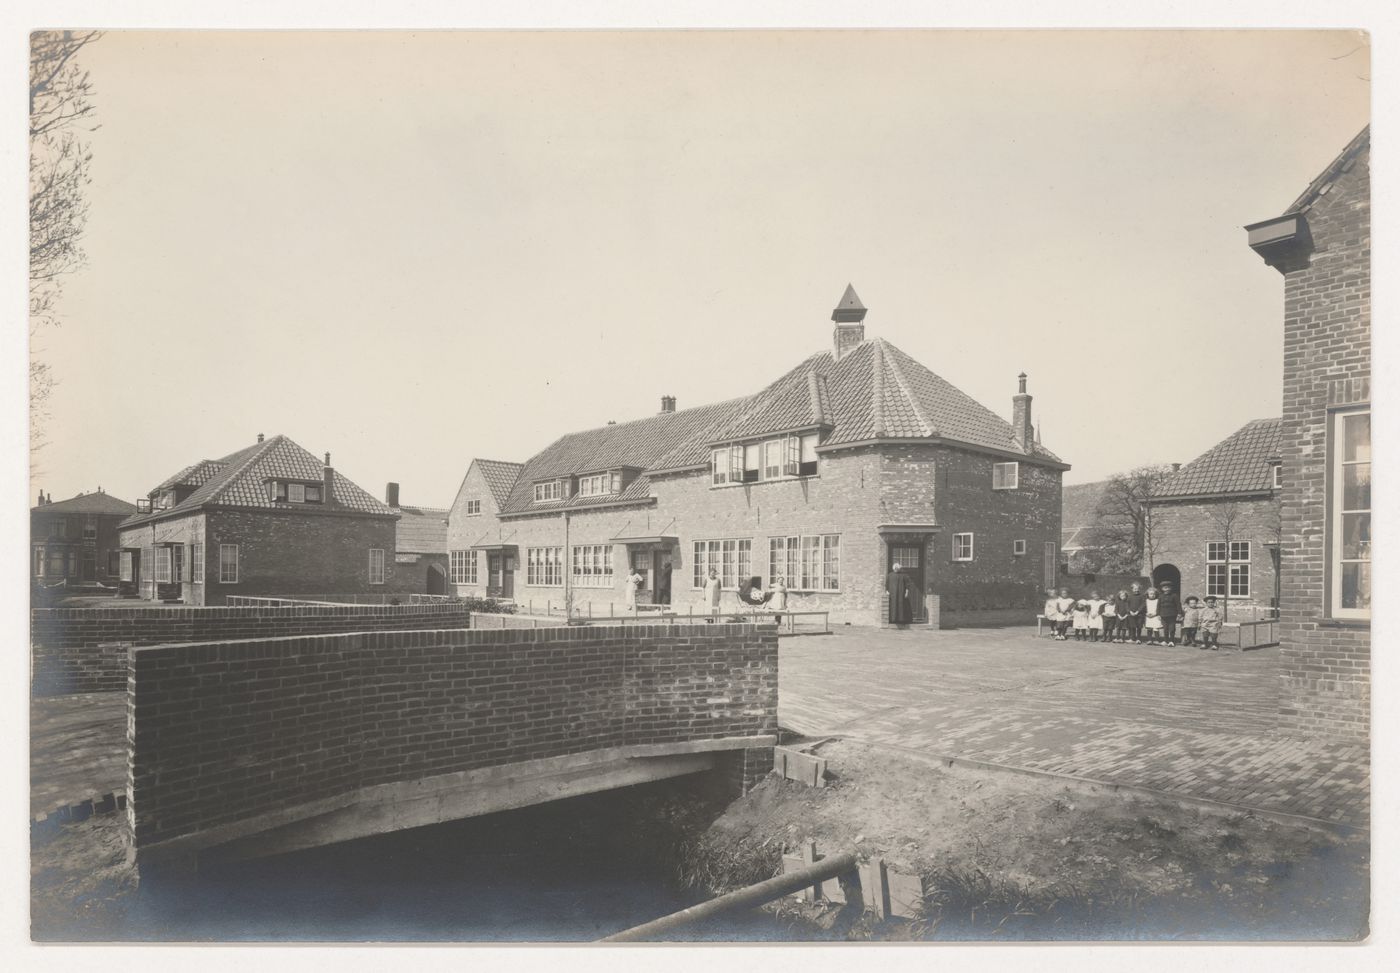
<point x="260" y="746"/>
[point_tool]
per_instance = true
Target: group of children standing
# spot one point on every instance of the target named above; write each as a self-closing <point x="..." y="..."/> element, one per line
<point x="1124" y="617"/>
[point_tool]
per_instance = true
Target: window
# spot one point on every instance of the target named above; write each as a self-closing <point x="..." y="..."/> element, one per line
<point x="473" y="508"/>
<point x="1349" y="502"/>
<point x="1278" y="476"/>
<point x="808" y="562"/>
<point x="125" y="567"/>
<point x="544" y="566"/>
<point x="90" y="532"/>
<point x="162" y="565"/>
<point x="641" y="566"/>
<point x="276" y="490"/>
<point x="807" y="462"/>
<point x="736" y="464"/>
<point x="962" y="547"/>
<point x="296" y="492"/>
<point x="1006" y="476"/>
<point x="599" y="484"/>
<point x="61" y="527"/>
<point x="228" y="564"/>
<point x="313" y="493"/>
<point x="1018" y="548"/>
<point x="1227" y="569"/>
<point x="71" y="567"/>
<point x="772" y="459"/>
<point x="550" y="490"/>
<point x="376" y="565"/>
<point x="731" y="559"/>
<point x="593" y="565"/>
<point x="753" y="461"/>
<point x="461" y="567"/>
<point x="177" y="563"/>
<point x="197" y="562"/>
<point x="719" y="466"/>
<point x="38" y="566"/>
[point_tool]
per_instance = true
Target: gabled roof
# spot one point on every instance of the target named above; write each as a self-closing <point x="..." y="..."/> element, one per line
<point x="421" y="530"/>
<point x="192" y="475"/>
<point x="1080" y="521"/>
<point x="239" y="480"/>
<point x="1319" y="186"/>
<point x="1241" y="463"/>
<point x="87" y="503"/>
<point x="500" y="477"/>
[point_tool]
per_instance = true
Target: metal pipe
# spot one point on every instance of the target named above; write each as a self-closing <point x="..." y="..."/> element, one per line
<point x="751" y="897"/>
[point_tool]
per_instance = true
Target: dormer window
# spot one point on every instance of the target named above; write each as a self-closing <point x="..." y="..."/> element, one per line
<point x="599" y="484"/>
<point x="288" y="491"/>
<point x="549" y="490"/>
<point x="1278" y="476"/>
<point x="772" y="459"/>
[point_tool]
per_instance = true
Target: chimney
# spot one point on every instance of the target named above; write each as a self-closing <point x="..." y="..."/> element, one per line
<point x="1175" y="467"/>
<point x="391" y="494"/>
<point x="668" y="403"/>
<point x="260" y="437"/>
<point x="327" y="482"/>
<point x="1021" y="427"/>
<point x="849" y="316"/>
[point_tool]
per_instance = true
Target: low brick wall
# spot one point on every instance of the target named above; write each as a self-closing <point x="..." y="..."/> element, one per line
<point x="226" y="731"/>
<point x="73" y="649"/>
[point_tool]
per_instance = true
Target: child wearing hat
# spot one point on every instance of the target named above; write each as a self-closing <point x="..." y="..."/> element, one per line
<point x="1211" y="622"/>
<point x="1169" y="608"/>
<point x="1190" y="620"/>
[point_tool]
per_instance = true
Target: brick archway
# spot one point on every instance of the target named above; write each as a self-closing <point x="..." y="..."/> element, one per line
<point x="1167" y="572"/>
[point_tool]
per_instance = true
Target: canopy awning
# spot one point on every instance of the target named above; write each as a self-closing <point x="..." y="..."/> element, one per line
<point x="653" y="539"/>
<point x="907" y="528"/>
<point x="492" y="547"/>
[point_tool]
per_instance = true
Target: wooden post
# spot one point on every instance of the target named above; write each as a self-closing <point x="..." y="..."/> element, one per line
<point x="812" y="893"/>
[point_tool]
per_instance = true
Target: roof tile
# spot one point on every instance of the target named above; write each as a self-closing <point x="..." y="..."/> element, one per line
<point x="1240" y="463"/>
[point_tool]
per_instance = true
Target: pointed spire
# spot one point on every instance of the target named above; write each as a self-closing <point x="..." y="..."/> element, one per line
<point x="849" y="309"/>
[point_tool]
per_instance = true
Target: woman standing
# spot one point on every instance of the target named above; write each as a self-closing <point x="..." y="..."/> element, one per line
<point x="777" y="597"/>
<point x="633" y="582"/>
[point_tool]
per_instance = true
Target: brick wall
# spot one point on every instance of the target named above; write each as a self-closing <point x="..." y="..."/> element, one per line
<point x="73" y="649"/>
<point x="224" y="731"/>
<point x="1325" y="662"/>
<point x="1181" y="531"/>
<point x="43" y="531"/>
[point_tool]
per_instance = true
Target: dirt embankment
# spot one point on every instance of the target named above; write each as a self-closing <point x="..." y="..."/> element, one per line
<point x="1005" y="856"/>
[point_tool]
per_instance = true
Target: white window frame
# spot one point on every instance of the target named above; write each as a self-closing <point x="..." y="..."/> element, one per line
<point x="163" y="564"/>
<point x="90" y="532"/>
<point x="549" y="490"/>
<point x="376" y="565"/>
<point x="731" y="557"/>
<point x="1228" y="572"/>
<point x="296" y="492"/>
<point x="312" y="493"/>
<point x="1278" y="476"/>
<point x="1336" y="512"/>
<point x="544" y="567"/>
<point x="197" y="562"/>
<point x="1239" y="579"/>
<point x="126" y="566"/>
<point x="1000" y="478"/>
<point x="224" y="575"/>
<point x="958" y="540"/>
<point x="1018" y="548"/>
<point x="592" y="565"/>
<point x="473" y="508"/>
<point x="461" y="567"/>
<point x="807" y="562"/>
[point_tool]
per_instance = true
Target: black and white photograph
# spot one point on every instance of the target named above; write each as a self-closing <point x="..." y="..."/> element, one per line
<point x="684" y="487"/>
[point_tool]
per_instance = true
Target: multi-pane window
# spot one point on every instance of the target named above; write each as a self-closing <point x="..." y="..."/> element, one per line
<point x="1278" y="476"/>
<point x="962" y="547"/>
<point x="599" y="484"/>
<point x="1018" y="548"/>
<point x="549" y="490"/>
<point x="1227" y="569"/>
<point x="1006" y="476"/>
<point x="162" y="565"/>
<point x="177" y="563"/>
<point x="61" y="526"/>
<point x="125" y="567"/>
<point x="197" y="562"/>
<point x="1349" y="499"/>
<point x="544" y="566"/>
<point x="772" y="459"/>
<point x="376" y="565"/>
<point x="731" y="559"/>
<point x="753" y="462"/>
<point x="809" y="562"/>
<point x="473" y="508"/>
<point x="228" y="563"/>
<point x="90" y="532"/>
<point x="38" y="565"/>
<point x="296" y="492"/>
<point x="313" y="493"/>
<point x="461" y="567"/>
<point x="719" y="466"/>
<point x="593" y="565"/>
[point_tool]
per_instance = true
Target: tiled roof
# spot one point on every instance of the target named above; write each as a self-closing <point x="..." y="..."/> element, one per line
<point x="1079" y="515"/>
<point x="192" y="475"/>
<point x="421" y="530"/>
<point x="240" y="479"/>
<point x="1238" y="464"/>
<point x="1319" y="186"/>
<point x="87" y="503"/>
<point x="500" y="477"/>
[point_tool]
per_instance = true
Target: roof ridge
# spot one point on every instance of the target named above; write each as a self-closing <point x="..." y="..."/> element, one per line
<point x="1330" y="171"/>
<point x="653" y="416"/>
<point x="877" y="384"/>
<point x="910" y="396"/>
<point x="256" y="454"/>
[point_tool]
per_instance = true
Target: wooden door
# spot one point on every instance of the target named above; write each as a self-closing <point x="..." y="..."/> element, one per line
<point x="508" y="576"/>
<point x="910" y="558"/>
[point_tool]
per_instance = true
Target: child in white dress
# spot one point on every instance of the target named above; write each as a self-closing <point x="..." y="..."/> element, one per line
<point x="1154" y="618"/>
<point x="1081" y="620"/>
<point x="1096" y="606"/>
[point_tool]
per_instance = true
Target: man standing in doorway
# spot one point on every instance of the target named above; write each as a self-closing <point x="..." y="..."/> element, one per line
<point x="663" y="583"/>
<point x="901" y="593"/>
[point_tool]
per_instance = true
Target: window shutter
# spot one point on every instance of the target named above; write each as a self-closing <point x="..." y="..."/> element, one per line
<point x="736" y="464"/>
<point x="794" y="453"/>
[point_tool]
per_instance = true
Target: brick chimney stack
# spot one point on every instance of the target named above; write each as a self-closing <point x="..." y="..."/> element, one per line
<point x="849" y="316"/>
<point x="1021" y="426"/>
<point x="391" y="494"/>
<point x="668" y="403"/>
<point x="327" y="481"/>
<point x="260" y="437"/>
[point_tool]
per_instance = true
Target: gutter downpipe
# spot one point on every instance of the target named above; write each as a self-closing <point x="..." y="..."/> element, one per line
<point x="567" y="569"/>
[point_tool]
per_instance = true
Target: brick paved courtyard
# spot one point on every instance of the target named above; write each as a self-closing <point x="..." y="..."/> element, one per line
<point x="1197" y="724"/>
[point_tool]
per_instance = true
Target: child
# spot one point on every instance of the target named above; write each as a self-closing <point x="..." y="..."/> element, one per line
<point x="1081" y="620"/>
<point x="1136" y="606"/>
<point x="1154" y="619"/>
<point x="1190" y="620"/>
<point x="1064" y="607"/>
<point x="1210" y="625"/>
<point x="1096" y="606"/>
<point x="1169" y="609"/>
<point x="1052" y="612"/>
<point x="1122" y="607"/>
<point x="1110" y="619"/>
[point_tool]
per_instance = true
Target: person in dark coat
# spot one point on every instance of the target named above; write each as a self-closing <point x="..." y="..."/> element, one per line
<point x="663" y="583"/>
<point x="1169" y="608"/>
<point x="900" y="588"/>
<point x="1137" y="613"/>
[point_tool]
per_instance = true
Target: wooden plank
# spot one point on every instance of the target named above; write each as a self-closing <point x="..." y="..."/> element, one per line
<point x="873" y="887"/>
<point x="906" y="894"/>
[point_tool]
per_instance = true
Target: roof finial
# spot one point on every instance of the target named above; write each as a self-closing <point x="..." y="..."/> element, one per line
<point x="849" y="310"/>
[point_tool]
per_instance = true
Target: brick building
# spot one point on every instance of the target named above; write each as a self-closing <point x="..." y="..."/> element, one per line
<point x="1215" y="523"/>
<point x="270" y="519"/>
<point x="856" y="459"/>
<point x="1322" y="247"/>
<point x="76" y="540"/>
<point x="420" y="546"/>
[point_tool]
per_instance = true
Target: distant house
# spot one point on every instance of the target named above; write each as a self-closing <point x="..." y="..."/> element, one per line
<point x="1215" y="522"/>
<point x="857" y="459"/>
<point x="1322" y="246"/>
<point x="420" y="547"/>
<point x="75" y="541"/>
<point x="1081" y="537"/>
<point x="270" y="519"/>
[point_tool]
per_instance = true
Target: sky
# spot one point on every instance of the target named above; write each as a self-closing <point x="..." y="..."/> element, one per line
<point x="412" y="249"/>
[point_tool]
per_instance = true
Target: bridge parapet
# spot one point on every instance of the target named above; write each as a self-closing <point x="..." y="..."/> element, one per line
<point x="301" y="741"/>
